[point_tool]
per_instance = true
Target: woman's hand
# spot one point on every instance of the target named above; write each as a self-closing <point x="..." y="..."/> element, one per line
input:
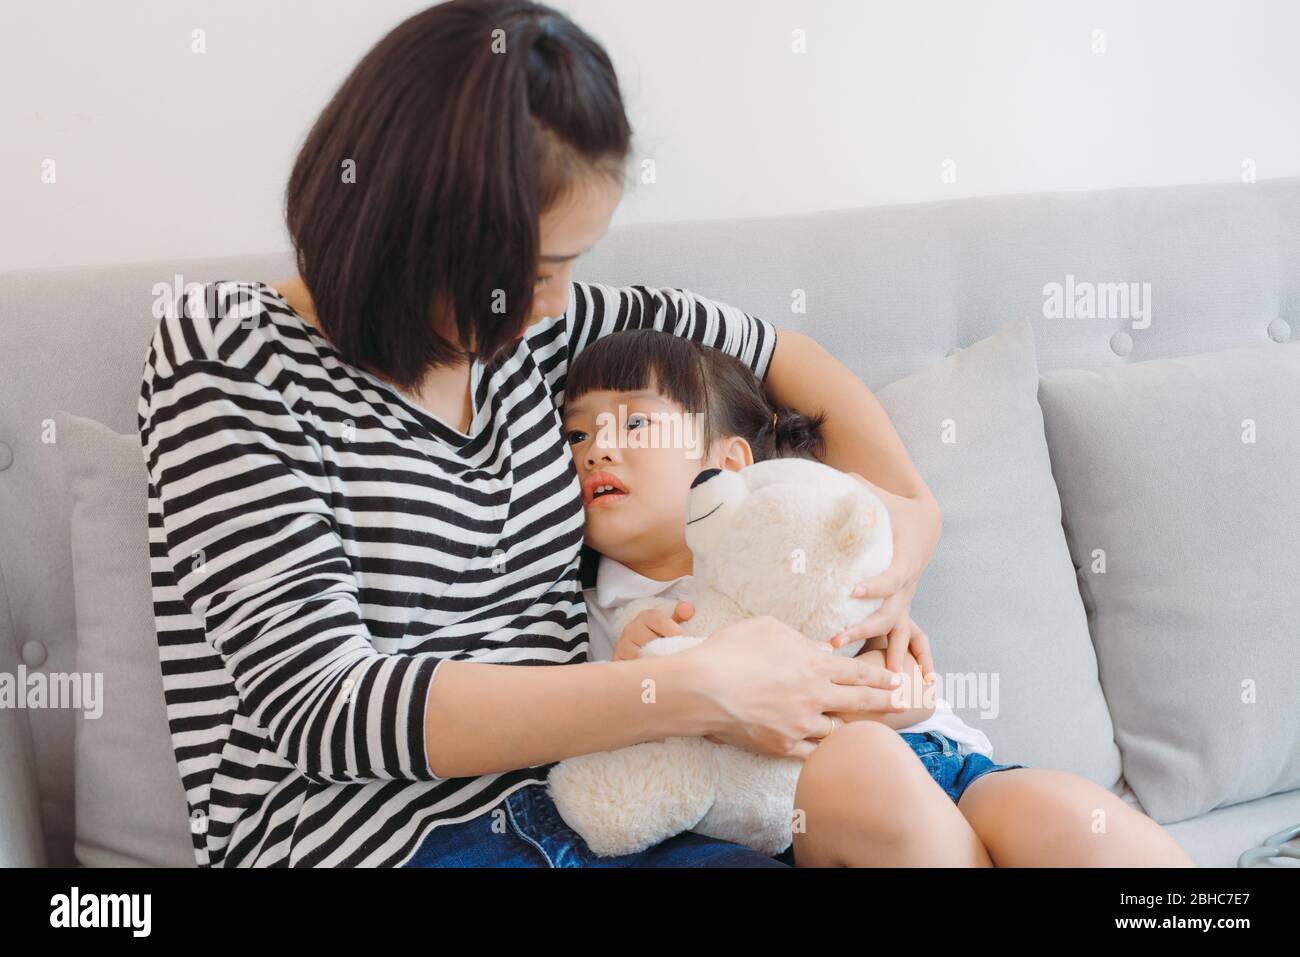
<point x="918" y="698"/>
<point x="916" y="527"/>
<point x="769" y="688"/>
<point x="649" y="625"/>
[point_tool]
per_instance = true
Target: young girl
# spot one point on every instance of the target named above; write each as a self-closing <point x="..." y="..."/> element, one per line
<point x="916" y="786"/>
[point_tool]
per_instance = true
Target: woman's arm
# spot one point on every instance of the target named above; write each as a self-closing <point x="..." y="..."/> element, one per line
<point x="486" y="718"/>
<point x="859" y="436"/>
<point x="599" y="310"/>
<point x="756" y="684"/>
<point x="861" y="439"/>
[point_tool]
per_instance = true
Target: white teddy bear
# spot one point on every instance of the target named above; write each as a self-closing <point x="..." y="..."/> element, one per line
<point x="784" y="537"/>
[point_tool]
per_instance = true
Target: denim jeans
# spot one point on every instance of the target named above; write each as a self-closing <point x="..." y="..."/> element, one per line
<point x="526" y="830"/>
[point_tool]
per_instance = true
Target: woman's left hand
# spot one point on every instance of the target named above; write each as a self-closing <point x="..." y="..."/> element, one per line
<point x="916" y="526"/>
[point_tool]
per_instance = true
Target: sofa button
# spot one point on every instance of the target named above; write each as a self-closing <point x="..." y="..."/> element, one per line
<point x="33" y="654"/>
<point x="6" y="456"/>
<point x="1121" y="343"/>
<point x="1279" y="330"/>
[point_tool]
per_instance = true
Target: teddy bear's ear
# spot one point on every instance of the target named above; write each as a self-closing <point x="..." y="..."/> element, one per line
<point x="854" y="522"/>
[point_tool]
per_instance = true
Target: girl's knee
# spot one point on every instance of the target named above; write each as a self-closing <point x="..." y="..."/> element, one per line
<point x="1047" y="793"/>
<point x="864" y="765"/>
<point x="854" y="752"/>
<point x="1045" y="816"/>
<point x="864" y="797"/>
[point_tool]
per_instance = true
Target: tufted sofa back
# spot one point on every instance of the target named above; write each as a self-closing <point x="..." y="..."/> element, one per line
<point x="889" y="290"/>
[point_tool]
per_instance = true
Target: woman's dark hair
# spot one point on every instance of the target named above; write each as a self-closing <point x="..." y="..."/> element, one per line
<point x="463" y="125"/>
<point x="699" y="378"/>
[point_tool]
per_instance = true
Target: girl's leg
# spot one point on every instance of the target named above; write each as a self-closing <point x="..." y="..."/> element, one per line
<point x="1039" y="817"/>
<point x="868" y="801"/>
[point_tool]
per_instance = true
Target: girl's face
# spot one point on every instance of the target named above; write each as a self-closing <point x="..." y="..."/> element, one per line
<point x="637" y="454"/>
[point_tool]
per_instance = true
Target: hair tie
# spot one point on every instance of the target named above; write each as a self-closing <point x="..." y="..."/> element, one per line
<point x="773" y="421"/>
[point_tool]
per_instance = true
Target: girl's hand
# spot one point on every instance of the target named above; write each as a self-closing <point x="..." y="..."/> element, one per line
<point x="916" y="527"/>
<point x="649" y="625"/>
<point x="769" y="689"/>
<point x="907" y="638"/>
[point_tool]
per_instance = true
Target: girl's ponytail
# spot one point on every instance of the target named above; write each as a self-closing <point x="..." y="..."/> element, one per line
<point x="795" y="435"/>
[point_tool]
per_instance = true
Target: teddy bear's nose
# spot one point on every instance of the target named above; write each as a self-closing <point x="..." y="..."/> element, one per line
<point x="705" y="476"/>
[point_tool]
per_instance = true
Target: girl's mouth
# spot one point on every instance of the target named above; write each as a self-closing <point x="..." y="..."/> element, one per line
<point x="603" y="489"/>
<point x="606" y="499"/>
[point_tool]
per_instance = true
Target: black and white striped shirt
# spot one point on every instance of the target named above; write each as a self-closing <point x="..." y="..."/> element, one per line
<point x="319" y="544"/>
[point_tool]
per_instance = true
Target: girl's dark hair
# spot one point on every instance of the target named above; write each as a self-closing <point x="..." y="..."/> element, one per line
<point x="699" y="378"/>
<point x="465" y="123"/>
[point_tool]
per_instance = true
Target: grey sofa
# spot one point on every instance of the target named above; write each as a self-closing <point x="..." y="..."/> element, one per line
<point x="953" y="312"/>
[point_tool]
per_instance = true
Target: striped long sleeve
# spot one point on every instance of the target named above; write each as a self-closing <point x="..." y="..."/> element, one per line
<point x="602" y="310"/>
<point x="256" y="553"/>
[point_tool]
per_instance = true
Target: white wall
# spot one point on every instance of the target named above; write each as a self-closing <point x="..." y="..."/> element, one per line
<point x="161" y="152"/>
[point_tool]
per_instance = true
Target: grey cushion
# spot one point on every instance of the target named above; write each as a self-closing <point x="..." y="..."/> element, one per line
<point x="999" y="599"/>
<point x="130" y="805"/>
<point x="1196" y="616"/>
<point x="1218" y="838"/>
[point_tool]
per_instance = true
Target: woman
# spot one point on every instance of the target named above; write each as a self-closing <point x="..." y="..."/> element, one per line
<point x="363" y="510"/>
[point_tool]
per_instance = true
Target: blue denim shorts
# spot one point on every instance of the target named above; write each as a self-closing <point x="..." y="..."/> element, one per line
<point x="951" y="770"/>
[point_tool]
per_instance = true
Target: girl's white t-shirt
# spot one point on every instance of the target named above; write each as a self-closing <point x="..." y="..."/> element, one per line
<point x="616" y="585"/>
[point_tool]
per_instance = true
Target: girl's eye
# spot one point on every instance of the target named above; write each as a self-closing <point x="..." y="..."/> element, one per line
<point x="576" y="435"/>
<point x="637" y="417"/>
